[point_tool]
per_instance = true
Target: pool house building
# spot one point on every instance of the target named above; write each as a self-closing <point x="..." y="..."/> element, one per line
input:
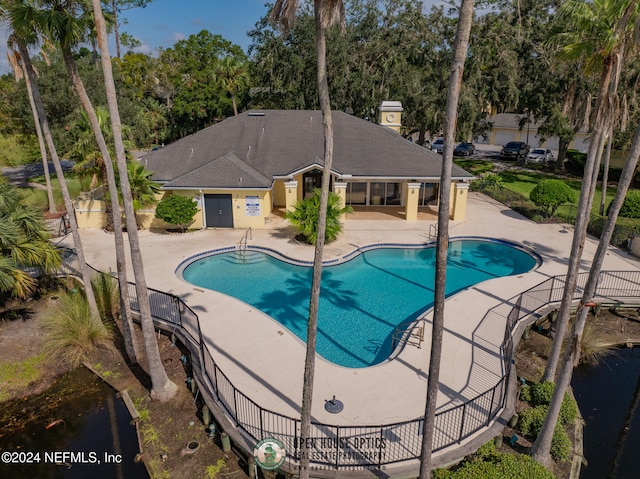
<point x="247" y="167"/>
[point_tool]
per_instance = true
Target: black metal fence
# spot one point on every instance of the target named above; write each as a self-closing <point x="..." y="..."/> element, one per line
<point x="361" y="447"/>
<point x="57" y="226"/>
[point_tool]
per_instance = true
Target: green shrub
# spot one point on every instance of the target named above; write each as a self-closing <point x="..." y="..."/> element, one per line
<point x="531" y="420"/>
<point x="105" y="289"/>
<point x="541" y="393"/>
<point x="630" y="206"/>
<point x="625" y="228"/>
<point x="525" y="393"/>
<point x="500" y="466"/>
<point x="560" y="444"/>
<point x="486" y="450"/>
<point x="73" y="333"/>
<point x="550" y="194"/>
<point x="490" y="181"/>
<point x="568" y="410"/>
<point x="441" y="474"/>
<point x="177" y="210"/>
<point x="575" y="162"/>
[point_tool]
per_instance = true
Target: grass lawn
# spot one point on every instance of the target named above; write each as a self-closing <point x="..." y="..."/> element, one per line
<point x="38" y="198"/>
<point x="523" y="181"/>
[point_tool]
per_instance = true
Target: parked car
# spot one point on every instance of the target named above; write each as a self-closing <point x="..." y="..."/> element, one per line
<point x="438" y="145"/>
<point x="540" y="155"/>
<point x="464" y="149"/>
<point x="517" y="150"/>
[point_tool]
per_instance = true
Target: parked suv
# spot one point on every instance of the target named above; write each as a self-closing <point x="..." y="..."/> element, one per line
<point x="517" y="150"/>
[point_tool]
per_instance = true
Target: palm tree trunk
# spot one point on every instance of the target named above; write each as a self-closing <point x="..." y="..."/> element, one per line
<point x="235" y="106"/>
<point x="43" y="149"/>
<point x="42" y="119"/>
<point x="605" y="175"/>
<point x="580" y="228"/>
<point x="116" y="33"/>
<point x="542" y="446"/>
<point x="465" y="20"/>
<point x="314" y="300"/>
<point x="121" y="265"/>
<point x="162" y="389"/>
<point x="108" y="205"/>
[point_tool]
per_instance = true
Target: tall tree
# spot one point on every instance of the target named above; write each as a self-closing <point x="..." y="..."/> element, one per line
<point x="542" y="446"/>
<point x="465" y="20"/>
<point x="24" y="242"/>
<point x="117" y="7"/>
<point x="233" y="76"/>
<point x="18" y="73"/>
<point x="24" y="32"/>
<point x="598" y="30"/>
<point x="326" y="14"/>
<point x="68" y="22"/>
<point x="163" y="389"/>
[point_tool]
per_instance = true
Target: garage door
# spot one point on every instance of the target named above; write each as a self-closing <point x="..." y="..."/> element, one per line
<point x="218" y="211"/>
<point x="503" y="137"/>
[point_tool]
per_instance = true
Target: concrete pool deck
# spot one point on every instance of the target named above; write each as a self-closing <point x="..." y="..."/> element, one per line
<point x="265" y="361"/>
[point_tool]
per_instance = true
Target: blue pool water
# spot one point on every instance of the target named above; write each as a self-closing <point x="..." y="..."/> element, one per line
<point x="361" y="301"/>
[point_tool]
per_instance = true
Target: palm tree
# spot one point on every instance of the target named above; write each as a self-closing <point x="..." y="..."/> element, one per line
<point x="57" y="21"/>
<point x="163" y="389"/>
<point x="305" y="217"/>
<point x="23" y="34"/>
<point x="24" y="242"/>
<point x="599" y="30"/>
<point x="144" y="191"/>
<point x="18" y="73"/>
<point x="233" y="77"/>
<point x="327" y="13"/>
<point x="542" y="445"/>
<point x="465" y="19"/>
<point x="614" y="21"/>
<point x="89" y="160"/>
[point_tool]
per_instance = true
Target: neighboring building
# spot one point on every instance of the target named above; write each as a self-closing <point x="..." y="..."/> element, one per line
<point x="242" y="168"/>
<point x="506" y="128"/>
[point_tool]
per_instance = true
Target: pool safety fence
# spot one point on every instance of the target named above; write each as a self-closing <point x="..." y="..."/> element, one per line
<point x="372" y="446"/>
<point x="58" y="227"/>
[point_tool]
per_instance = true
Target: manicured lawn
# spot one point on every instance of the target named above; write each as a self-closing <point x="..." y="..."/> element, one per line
<point x="38" y="198"/>
<point x="523" y="181"/>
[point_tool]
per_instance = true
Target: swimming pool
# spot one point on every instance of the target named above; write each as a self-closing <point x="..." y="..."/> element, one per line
<point x="362" y="300"/>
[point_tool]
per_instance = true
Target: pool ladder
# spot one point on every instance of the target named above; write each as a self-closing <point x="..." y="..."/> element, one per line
<point x="242" y="244"/>
<point x="411" y="332"/>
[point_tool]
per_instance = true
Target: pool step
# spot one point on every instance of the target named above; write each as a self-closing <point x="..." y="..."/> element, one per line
<point x="246" y="257"/>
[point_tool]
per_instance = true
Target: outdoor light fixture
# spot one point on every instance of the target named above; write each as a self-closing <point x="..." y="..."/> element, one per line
<point x="334" y="406"/>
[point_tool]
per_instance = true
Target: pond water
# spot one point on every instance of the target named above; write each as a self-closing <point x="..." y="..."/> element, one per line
<point x="609" y="395"/>
<point x="76" y="429"/>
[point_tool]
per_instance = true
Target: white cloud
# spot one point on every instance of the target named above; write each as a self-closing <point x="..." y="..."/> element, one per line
<point x="176" y="37"/>
<point x="144" y="48"/>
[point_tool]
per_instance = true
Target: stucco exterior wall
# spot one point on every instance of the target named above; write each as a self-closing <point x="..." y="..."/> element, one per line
<point x="242" y="218"/>
<point x="279" y="194"/>
<point x="90" y="213"/>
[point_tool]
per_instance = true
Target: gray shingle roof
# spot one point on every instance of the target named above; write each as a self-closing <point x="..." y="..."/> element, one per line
<point x="218" y="173"/>
<point x="260" y="145"/>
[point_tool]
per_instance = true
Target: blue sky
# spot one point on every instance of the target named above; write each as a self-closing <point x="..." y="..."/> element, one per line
<point x="164" y="22"/>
